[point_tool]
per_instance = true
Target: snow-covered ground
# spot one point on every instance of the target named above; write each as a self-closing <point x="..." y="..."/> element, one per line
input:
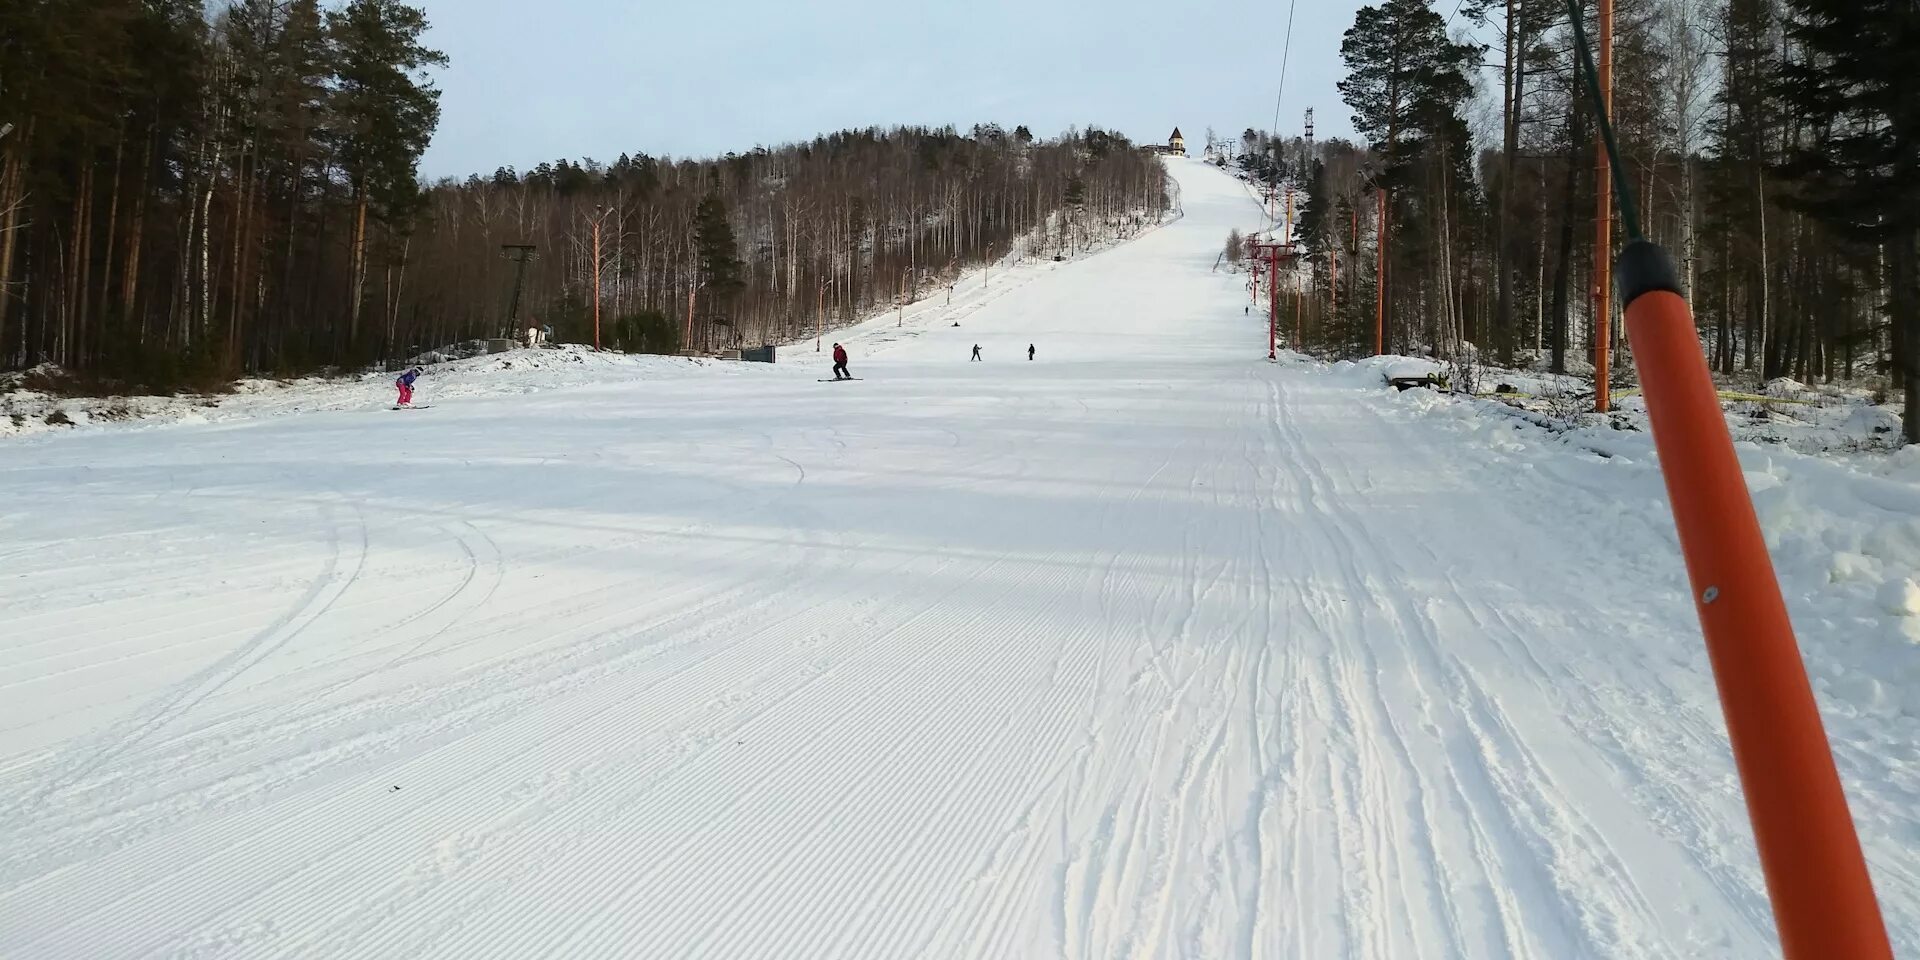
<point x="26" y="413"/>
<point x="1143" y="648"/>
<point x="1835" y="418"/>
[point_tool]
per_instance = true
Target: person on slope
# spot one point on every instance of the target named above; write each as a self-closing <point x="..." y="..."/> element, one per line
<point x="840" y="363"/>
<point x="1029" y="352"/>
<point x="976" y="352"/>
<point x="405" y="383"/>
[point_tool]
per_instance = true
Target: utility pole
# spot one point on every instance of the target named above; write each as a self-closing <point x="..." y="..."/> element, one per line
<point x="1273" y="300"/>
<point x="519" y="253"/>
<point x="1602" y="227"/>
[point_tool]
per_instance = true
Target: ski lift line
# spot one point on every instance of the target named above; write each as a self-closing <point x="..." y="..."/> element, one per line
<point x="1817" y="880"/>
<point x="1286" y="53"/>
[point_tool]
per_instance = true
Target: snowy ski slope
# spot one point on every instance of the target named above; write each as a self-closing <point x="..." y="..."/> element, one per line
<point x="1146" y="648"/>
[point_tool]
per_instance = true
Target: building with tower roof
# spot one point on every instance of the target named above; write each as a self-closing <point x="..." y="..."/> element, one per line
<point x="1175" y="145"/>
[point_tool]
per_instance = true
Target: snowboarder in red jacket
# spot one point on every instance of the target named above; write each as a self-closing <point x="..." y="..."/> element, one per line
<point x="840" y="363"/>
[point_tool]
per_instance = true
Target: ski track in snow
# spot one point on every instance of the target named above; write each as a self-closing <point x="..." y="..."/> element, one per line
<point x="1146" y="648"/>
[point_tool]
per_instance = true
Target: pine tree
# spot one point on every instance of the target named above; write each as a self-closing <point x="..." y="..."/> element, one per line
<point x="1744" y="144"/>
<point x="1312" y="226"/>
<point x="1405" y="77"/>
<point x="384" y="114"/>
<point x="721" y="272"/>
<point x="1851" y="88"/>
<point x="1526" y="22"/>
<point x="1406" y="83"/>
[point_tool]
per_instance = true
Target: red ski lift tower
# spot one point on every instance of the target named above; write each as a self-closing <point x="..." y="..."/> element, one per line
<point x="1275" y="254"/>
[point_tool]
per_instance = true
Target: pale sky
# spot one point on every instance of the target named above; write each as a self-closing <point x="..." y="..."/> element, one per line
<point x="534" y="80"/>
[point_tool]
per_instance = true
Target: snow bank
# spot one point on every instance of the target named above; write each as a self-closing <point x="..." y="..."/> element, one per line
<point x="25" y="412"/>
<point x="1843" y="527"/>
<point x="1824" y="419"/>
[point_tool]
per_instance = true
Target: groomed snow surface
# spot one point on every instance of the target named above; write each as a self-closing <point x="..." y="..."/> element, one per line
<point x="1144" y="648"/>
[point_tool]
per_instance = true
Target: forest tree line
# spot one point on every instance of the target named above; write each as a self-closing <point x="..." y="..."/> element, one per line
<point x="187" y="196"/>
<point x="1771" y="146"/>
<point x="772" y="244"/>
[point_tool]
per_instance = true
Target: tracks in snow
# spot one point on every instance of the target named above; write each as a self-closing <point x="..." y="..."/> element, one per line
<point x="1147" y="649"/>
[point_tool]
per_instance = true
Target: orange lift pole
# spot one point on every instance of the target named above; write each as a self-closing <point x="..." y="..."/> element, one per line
<point x="1817" y="878"/>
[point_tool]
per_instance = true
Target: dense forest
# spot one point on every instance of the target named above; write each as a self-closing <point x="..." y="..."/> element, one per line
<point x="767" y="245"/>
<point x="186" y="196"/>
<point x="1773" y="146"/>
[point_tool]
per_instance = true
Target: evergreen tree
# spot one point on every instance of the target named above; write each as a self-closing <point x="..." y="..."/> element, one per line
<point x="1406" y="83"/>
<point x="721" y="272"/>
<point x="648" y="331"/>
<point x="297" y="95"/>
<point x="1859" y="168"/>
<point x="275" y="97"/>
<point x="1405" y="78"/>
<point x="1745" y="141"/>
<point x="571" y="179"/>
<point x="1311" y="226"/>
<point x="384" y="114"/>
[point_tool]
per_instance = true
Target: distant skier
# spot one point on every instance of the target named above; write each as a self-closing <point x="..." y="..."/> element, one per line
<point x="840" y="363"/>
<point x="1029" y="352"/>
<point x="976" y="352"/>
<point x="405" y="383"/>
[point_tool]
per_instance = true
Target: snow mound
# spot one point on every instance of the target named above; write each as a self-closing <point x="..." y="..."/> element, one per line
<point x="1870" y="422"/>
<point x="1842" y="525"/>
<point x="1901" y="598"/>
<point x="520" y="371"/>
